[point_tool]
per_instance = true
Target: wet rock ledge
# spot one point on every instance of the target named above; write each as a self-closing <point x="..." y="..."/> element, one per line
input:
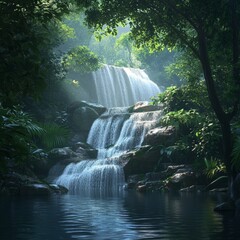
<point x="15" y="184"/>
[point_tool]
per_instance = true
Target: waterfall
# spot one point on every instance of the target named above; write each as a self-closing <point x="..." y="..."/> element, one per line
<point x="120" y="86"/>
<point x="113" y="135"/>
<point x="114" y="132"/>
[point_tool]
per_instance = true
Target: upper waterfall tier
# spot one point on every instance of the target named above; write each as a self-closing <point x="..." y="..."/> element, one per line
<point x="121" y="87"/>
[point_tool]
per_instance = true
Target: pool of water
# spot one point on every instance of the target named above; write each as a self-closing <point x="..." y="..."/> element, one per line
<point x="127" y="216"/>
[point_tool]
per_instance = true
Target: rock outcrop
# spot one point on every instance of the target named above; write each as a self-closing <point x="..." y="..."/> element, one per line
<point x="81" y="116"/>
<point x="160" y="135"/>
<point x="18" y="184"/>
<point x="145" y="106"/>
<point x="140" y="161"/>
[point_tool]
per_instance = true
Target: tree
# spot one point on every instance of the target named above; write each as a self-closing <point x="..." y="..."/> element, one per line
<point x="27" y="29"/>
<point x="210" y="29"/>
<point x="81" y="59"/>
<point x="125" y="41"/>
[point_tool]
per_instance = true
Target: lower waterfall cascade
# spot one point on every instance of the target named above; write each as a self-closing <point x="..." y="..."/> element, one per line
<point x="114" y="133"/>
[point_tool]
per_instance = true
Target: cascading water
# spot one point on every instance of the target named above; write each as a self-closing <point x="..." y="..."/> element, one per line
<point x="120" y="86"/>
<point x="113" y="133"/>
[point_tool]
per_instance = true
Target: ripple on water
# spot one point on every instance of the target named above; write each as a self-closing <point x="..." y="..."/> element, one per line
<point x="130" y="216"/>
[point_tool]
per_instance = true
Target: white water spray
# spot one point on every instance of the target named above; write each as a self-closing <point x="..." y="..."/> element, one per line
<point x="120" y="86"/>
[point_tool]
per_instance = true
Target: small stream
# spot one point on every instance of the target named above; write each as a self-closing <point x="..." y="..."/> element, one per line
<point x="128" y="215"/>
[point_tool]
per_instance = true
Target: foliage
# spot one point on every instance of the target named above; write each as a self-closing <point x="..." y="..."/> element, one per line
<point x="17" y="130"/>
<point x="185" y="67"/>
<point x="125" y="41"/>
<point x="187" y="97"/>
<point x="28" y="30"/>
<point x="208" y="141"/>
<point x="214" y="167"/>
<point x="81" y="34"/>
<point x="54" y="135"/>
<point x="156" y="64"/>
<point x="81" y="59"/>
<point x="181" y="118"/>
<point x="187" y="108"/>
<point x="116" y="50"/>
<point x="21" y="137"/>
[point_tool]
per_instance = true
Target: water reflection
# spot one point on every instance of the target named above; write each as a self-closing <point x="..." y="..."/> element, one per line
<point x="128" y="216"/>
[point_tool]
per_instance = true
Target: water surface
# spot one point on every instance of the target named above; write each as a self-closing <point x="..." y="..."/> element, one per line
<point x="128" y="216"/>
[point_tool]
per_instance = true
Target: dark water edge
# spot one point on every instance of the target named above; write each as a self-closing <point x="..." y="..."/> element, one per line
<point x="128" y="216"/>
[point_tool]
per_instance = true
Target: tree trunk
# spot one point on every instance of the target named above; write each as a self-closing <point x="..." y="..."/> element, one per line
<point x="222" y="117"/>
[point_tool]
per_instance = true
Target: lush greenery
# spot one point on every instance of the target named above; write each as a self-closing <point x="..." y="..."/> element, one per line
<point x="199" y="137"/>
<point x="34" y="63"/>
<point x="211" y="37"/>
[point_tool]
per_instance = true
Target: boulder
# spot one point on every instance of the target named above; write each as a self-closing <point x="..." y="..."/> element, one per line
<point x="140" y="161"/>
<point x="144" y="106"/>
<point x="61" y="153"/>
<point x="175" y="169"/>
<point x="87" y="153"/>
<point x="85" y="149"/>
<point x="160" y="135"/>
<point x="19" y="184"/>
<point x="142" y="188"/>
<point x="35" y="189"/>
<point x="181" y="180"/>
<point x="82" y="118"/>
<point x="82" y="145"/>
<point x="58" y="188"/>
<point x="78" y="104"/>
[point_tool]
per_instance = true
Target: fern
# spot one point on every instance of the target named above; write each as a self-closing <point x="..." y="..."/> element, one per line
<point x="54" y="135"/>
<point x="213" y="167"/>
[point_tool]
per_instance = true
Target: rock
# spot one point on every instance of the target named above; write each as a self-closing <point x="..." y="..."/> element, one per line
<point x="17" y="184"/>
<point x="142" y="188"/>
<point x="145" y="106"/>
<point x="133" y="180"/>
<point x="140" y="161"/>
<point x="78" y="104"/>
<point x="181" y="177"/>
<point x="58" y="188"/>
<point x="181" y="180"/>
<point x="61" y="153"/>
<point x="87" y="153"/>
<point x="82" y="145"/>
<point x="82" y="119"/>
<point x="35" y="189"/>
<point x="160" y="135"/>
<point x="175" y="168"/>
<point x="193" y="188"/>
